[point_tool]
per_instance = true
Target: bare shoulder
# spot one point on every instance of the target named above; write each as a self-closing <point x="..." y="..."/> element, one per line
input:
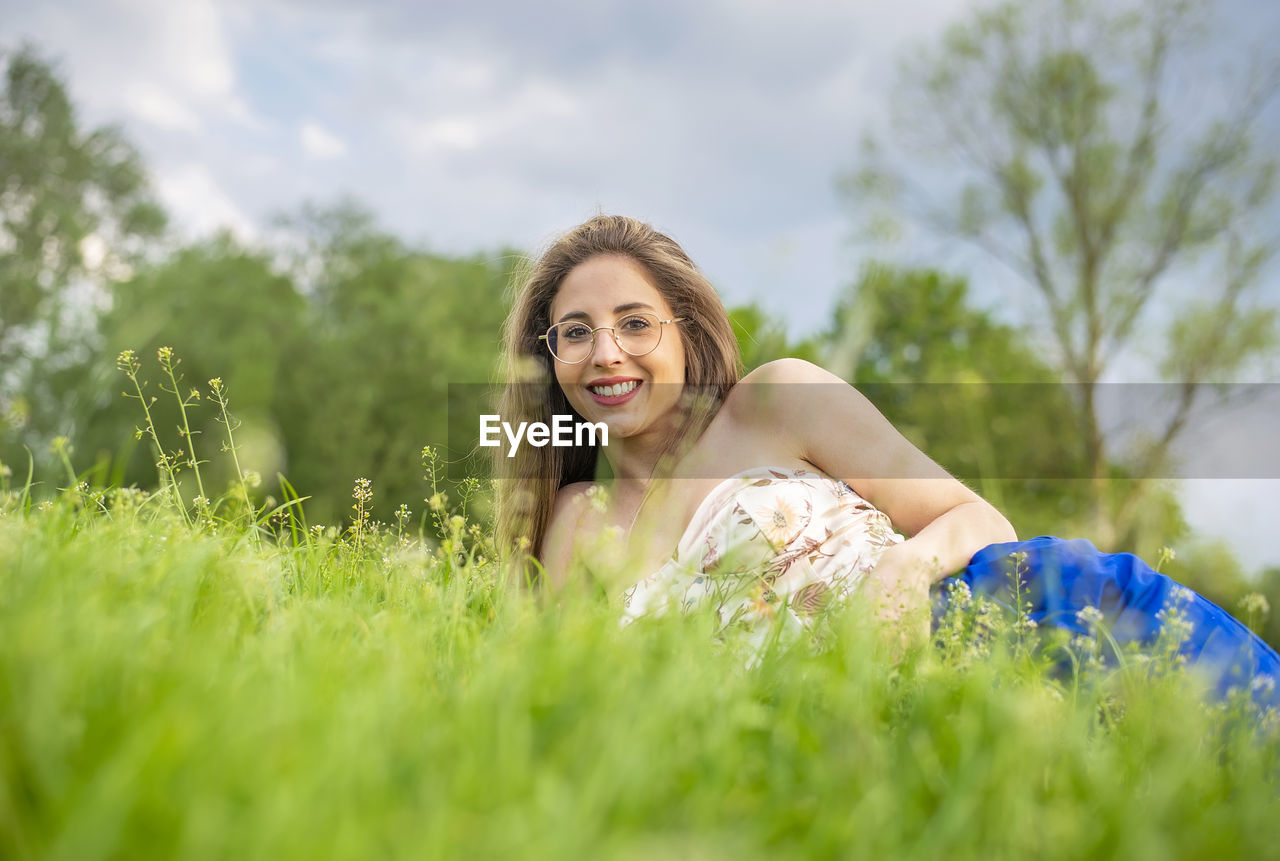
<point x="572" y="504"/>
<point x="790" y="371"/>
<point x="784" y="391"/>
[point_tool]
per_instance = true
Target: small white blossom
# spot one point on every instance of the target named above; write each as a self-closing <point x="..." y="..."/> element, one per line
<point x="1090" y="618"/>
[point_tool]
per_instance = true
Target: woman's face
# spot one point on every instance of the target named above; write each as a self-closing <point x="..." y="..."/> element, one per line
<point x="600" y="292"/>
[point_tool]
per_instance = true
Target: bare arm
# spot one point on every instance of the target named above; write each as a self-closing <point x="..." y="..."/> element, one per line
<point x="833" y="426"/>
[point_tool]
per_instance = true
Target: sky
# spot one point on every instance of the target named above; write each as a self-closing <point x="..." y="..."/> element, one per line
<point x="468" y="126"/>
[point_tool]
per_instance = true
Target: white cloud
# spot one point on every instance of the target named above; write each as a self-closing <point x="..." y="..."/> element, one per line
<point x="522" y="115"/>
<point x="162" y="63"/>
<point x="198" y="204"/>
<point x="186" y="44"/>
<point x="320" y="143"/>
<point x="152" y="103"/>
<point x="446" y="133"/>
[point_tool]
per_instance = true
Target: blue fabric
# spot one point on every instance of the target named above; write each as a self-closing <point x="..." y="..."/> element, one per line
<point x="1060" y="578"/>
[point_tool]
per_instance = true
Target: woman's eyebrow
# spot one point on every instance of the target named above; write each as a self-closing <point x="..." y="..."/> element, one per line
<point x="632" y="306"/>
<point x="583" y="315"/>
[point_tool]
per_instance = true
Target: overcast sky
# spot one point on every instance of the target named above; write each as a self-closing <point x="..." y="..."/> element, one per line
<point x="469" y="126"/>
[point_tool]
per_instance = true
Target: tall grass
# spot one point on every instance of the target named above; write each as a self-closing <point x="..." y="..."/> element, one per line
<point x="223" y="680"/>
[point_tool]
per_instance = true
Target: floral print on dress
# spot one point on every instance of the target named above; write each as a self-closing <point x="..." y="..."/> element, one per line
<point x="755" y="550"/>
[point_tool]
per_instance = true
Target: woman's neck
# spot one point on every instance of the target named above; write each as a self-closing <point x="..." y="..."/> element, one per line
<point x="636" y="459"/>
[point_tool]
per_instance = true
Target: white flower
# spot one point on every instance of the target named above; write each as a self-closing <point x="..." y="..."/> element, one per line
<point x="1089" y="617"/>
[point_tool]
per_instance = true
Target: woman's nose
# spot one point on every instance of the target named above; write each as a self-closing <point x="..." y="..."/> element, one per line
<point x="607" y="351"/>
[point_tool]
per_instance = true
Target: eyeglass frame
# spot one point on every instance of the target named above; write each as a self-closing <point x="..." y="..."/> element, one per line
<point x="613" y="330"/>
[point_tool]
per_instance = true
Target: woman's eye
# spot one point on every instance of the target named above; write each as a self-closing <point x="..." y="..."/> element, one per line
<point x="576" y="333"/>
<point x="635" y="324"/>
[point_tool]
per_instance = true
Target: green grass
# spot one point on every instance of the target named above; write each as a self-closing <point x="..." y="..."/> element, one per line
<point x="167" y="691"/>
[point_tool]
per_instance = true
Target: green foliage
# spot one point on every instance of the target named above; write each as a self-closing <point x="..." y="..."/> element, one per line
<point x="225" y="314"/>
<point x="966" y="388"/>
<point x="62" y="190"/>
<point x="763" y="338"/>
<point x="167" y="691"/>
<point x="388" y="329"/>
<point x="1066" y="158"/>
<point x="348" y="379"/>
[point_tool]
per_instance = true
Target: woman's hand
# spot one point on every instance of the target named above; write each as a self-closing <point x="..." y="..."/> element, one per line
<point x="897" y="595"/>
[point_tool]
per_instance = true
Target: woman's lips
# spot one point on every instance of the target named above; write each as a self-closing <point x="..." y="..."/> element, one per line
<point x="615" y="400"/>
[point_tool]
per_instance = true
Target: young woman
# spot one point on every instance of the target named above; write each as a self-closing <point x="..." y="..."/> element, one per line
<point x="768" y="494"/>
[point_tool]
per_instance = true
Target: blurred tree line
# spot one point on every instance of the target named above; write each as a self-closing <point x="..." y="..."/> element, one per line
<point x="1059" y="139"/>
<point x="338" y="342"/>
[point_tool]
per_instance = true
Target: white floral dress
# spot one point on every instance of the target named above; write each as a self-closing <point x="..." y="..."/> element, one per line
<point x="768" y="542"/>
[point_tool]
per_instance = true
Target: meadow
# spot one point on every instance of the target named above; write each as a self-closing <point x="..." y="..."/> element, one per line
<point x="185" y="676"/>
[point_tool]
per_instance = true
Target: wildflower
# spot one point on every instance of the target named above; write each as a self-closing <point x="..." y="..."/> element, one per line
<point x="1253" y="604"/>
<point x="128" y="362"/>
<point x="437" y="502"/>
<point x="961" y="594"/>
<point x="1263" y="684"/>
<point x="1089" y="617"/>
<point x="362" y="491"/>
<point x="597" y="498"/>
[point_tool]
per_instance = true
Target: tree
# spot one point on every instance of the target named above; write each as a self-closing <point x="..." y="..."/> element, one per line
<point x="763" y="338"/>
<point x="971" y="392"/>
<point x="1056" y="115"/>
<point x="226" y="314"/>
<point x="74" y="210"/>
<point x="392" y="332"/>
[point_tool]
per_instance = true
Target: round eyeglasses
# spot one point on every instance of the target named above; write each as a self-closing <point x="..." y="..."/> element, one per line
<point x="572" y="341"/>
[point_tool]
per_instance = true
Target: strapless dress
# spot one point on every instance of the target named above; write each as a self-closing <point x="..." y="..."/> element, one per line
<point x="768" y="542"/>
<point x="773" y="545"/>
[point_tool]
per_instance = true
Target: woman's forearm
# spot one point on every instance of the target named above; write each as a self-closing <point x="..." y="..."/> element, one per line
<point x="947" y="543"/>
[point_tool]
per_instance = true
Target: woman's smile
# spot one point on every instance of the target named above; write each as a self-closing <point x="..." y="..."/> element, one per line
<point x="614" y="391"/>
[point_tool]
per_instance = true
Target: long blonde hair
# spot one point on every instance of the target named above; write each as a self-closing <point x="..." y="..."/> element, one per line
<point x="530" y="480"/>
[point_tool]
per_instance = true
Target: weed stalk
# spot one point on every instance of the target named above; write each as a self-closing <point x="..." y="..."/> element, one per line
<point x="168" y="362"/>
<point x="129" y="363"/>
